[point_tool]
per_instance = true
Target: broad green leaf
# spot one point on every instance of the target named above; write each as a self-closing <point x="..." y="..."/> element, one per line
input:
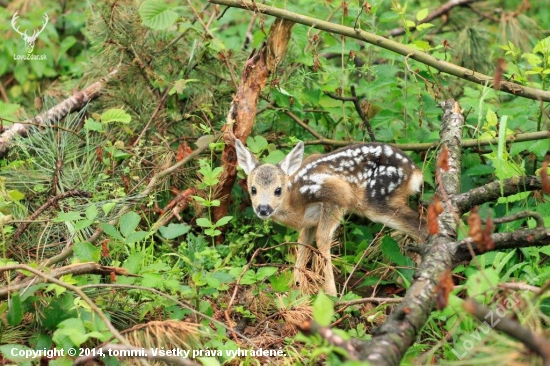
<point x="108" y="207"/>
<point x="532" y="59"/>
<point x="204" y="222"/>
<point x="180" y="85"/>
<point x="274" y="157"/>
<point x="224" y="220"/>
<point x="248" y="278"/>
<point x="87" y="252"/>
<point x="157" y="15"/>
<point x="67" y="216"/>
<point x="480" y="283"/>
<point x="6" y="351"/>
<point x="421" y="14"/>
<point x="424" y="26"/>
<point x="115" y="115"/>
<point x="92" y="125"/>
<point x="256" y="144"/>
<point x="174" y="230"/>
<point x="15" y="310"/>
<point x="16" y="195"/>
<point x="265" y="272"/>
<point x="7" y="110"/>
<point x="111" y="231"/>
<point x="543" y="46"/>
<point x="128" y="223"/>
<point x="137" y="237"/>
<point x="323" y="310"/>
<point x="92" y="212"/>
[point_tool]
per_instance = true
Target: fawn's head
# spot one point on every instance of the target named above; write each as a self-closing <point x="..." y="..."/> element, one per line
<point x="267" y="183"/>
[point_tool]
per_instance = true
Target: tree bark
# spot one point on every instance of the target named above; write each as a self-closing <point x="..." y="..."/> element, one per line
<point x="240" y="119"/>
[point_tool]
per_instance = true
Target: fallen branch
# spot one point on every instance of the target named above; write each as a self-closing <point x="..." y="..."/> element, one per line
<point x="73" y="269"/>
<point x="517" y="239"/>
<point x="494" y="190"/>
<point x="74" y="103"/>
<point x="379" y="41"/>
<point x="530" y="339"/>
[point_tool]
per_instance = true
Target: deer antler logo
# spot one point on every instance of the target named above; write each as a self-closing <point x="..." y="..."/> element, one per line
<point x="29" y="40"/>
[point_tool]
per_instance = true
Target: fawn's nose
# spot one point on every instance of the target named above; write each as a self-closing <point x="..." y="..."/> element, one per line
<point x="264" y="211"/>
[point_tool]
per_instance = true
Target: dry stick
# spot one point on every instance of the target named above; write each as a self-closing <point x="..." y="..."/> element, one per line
<point x="171" y="298"/>
<point x="466" y="249"/>
<point x="357" y="105"/>
<point x="362" y="114"/>
<point x="443" y="9"/>
<point x="376" y="300"/>
<point x="302" y="123"/>
<point x="74" y="103"/>
<point x="427" y="59"/>
<point x="76" y="290"/>
<point x="169" y="360"/>
<point x="73" y="269"/>
<point x="514" y="329"/>
<point x="51" y="201"/>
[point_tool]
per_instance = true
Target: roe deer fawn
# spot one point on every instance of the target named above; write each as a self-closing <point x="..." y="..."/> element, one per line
<point x="372" y="179"/>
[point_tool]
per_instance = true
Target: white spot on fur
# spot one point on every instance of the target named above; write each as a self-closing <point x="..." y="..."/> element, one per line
<point x="382" y="192"/>
<point x="391" y="187"/>
<point x="376" y="151"/>
<point x="312" y="189"/>
<point x="391" y="170"/>
<point x="388" y="151"/>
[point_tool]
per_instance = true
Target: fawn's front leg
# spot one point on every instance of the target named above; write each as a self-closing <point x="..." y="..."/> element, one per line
<point x="328" y="223"/>
<point x="305" y="239"/>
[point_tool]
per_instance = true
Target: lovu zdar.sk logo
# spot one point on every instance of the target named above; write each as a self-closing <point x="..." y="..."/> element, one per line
<point x="29" y="40"/>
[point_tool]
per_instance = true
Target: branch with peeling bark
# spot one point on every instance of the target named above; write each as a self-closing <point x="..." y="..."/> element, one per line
<point x="74" y="103"/>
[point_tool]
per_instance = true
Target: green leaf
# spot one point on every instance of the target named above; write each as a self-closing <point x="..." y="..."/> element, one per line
<point x="204" y="222"/>
<point x="543" y="46"/>
<point x="274" y="157"/>
<point x="421" y="14"/>
<point x="180" y="85"/>
<point x="539" y="148"/>
<point x="157" y="15"/>
<point x="137" y="237"/>
<point x="115" y="115"/>
<point x="108" y="207"/>
<point x="111" y="231"/>
<point x="92" y="125"/>
<point x="323" y="309"/>
<point x="282" y="282"/>
<point x="174" y="230"/>
<point x="265" y="272"/>
<point x="6" y="351"/>
<point x="67" y="216"/>
<point x="424" y="26"/>
<point x="7" y="110"/>
<point x="224" y="220"/>
<point x="480" y="170"/>
<point x="248" y="278"/>
<point x="256" y="144"/>
<point x="128" y="223"/>
<point x="15" y="195"/>
<point x="87" y="252"/>
<point x="482" y="282"/>
<point x="15" y="310"/>
<point x="92" y="212"/>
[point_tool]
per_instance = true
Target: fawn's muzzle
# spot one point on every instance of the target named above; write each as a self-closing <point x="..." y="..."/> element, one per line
<point x="264" y="211"/>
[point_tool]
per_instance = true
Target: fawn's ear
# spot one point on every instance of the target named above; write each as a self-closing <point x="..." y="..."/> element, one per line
<point x="247" y="161"/>
<point x="293" y="160"/>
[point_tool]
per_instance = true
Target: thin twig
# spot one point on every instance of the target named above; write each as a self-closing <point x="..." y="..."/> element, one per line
<point x="362" y="114"/>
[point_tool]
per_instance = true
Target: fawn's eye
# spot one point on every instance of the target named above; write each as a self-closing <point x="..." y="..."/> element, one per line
<point x="253" y="191"/>
<point x="278" y="191"/>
